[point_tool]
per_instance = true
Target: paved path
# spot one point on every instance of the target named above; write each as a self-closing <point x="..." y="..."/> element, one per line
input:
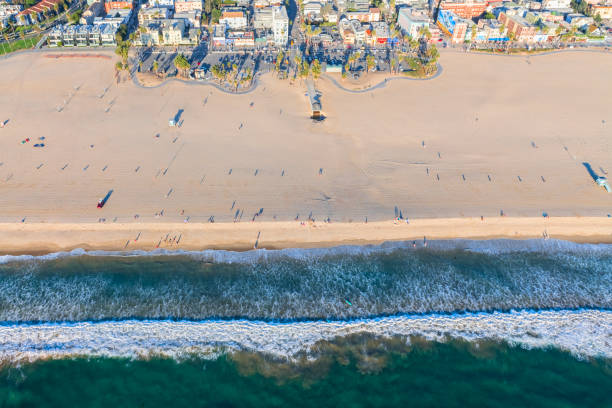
<point x="524" y="55"/>
<point x="253" y="86"/>
<point x="384" y="82"/>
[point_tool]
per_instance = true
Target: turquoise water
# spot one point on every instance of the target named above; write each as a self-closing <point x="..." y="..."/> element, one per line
<point x="460" y="323"/>
<point x="431" y="374"/>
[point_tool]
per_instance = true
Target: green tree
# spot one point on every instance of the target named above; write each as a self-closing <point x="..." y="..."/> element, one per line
<point x="121" y="33"/>
<point x="182" y="64"/>
<point x="76" y="16"/>
<point x="215" y="15"/>
<point x="315" y="67"/>
<point x="155" y="66"/>
<point x="370" y="62"/>
<point x="310" y="32"/>
<point x="597" y="18"/>
<point x="208" y="6"/>
<point x="305" y="71"/>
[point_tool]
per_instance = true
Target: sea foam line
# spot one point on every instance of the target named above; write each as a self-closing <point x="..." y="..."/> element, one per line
<point x="491" y="247"/>
<point x="584" y="333"/>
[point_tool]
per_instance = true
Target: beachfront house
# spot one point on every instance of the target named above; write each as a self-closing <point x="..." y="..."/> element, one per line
<point x="107" y="35"/>
<point x="55" y="38"/>
<point x="81" y="37"/>
<point x="95" y="36"/>
<point x="70" y="33"/>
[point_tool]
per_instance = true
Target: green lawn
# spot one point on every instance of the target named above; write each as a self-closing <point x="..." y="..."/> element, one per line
<point x="5" y="48"/>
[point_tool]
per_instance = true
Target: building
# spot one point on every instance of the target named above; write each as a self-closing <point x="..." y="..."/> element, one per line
<point x="604" y="11"/>
<point x="519" y="28"/>
<point x="55" y="38"/>
<point x="262" y="18"/>
<point x="95" y="37"/>
<point x="187" y="5"/>
<point x="107" y="35"/>
<point x="274" y="19"/>
<point x="365" y="16"/>
<point x="490" y="30"/>
<point x="192" y="18"/>
<point x="453" y="25"/>
<point x="352" y="31"/>
<point x="161" y="3"/>
<point x="116" y="5"/>
<point x="147" y="14"/>
<point x="578" y="20"/>
<point x="8" y="10"/>
<point x="32" y="14"/>
<point x="357" y="4"/>
<point x="555" y="4"/>
<point x="380" y="32"/>
<point x="95" y="9"/>
<point x="81" y="36"/>
<point x="172" y="31"/>
<point x="233" y="18"/>
<point x="241" y="39"/>
<point x="280" y="26"/>
<point x="312" y="11"/>
<point x="218" y="35"/>
<point x="115" y="18"/>
<point x="412" y="21"/>
<point x="464" y="8"/>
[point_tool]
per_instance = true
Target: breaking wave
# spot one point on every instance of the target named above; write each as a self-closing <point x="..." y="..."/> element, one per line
<point x="584" y="333"/>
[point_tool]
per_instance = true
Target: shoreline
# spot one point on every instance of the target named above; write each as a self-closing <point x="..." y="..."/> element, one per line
<point x="45" y="238"/>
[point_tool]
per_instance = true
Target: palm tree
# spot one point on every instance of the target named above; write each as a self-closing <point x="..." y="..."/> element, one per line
<point x="6" y="38"/>
<point x="316" y="69"/>
<point x="181" y="63"/>
<point x="309" y="33"/>
<point x="156" y="66"/>
<point x="370" y="62"/>
<point x="351" y="60"/>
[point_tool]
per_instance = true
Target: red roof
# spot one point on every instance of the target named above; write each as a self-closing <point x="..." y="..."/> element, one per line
<point x="40" y="7"/>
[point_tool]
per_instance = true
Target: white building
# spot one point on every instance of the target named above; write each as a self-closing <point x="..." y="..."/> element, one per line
<point x="192" y="18"/>
<point x="555" y="4"/>
<point x="8" y="10"/>
<point x="161" y="3"/>
<point x="233" y="18"/>
<point x="280" y="26"/>
<point x="275" y="19"/>
<point x="263" y="18"/>
<point x="412" y="21"/>
<point x="312" y="11"/>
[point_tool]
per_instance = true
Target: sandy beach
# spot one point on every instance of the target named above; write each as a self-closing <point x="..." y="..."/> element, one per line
<point x="492" y="134"/>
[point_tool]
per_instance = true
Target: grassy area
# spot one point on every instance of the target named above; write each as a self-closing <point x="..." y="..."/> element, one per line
<point x="6" y="48"/>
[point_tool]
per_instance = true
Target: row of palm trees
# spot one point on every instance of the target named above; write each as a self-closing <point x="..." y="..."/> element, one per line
<point x="229" y="75"/>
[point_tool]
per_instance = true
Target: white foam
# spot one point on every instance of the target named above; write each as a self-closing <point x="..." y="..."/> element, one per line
<point x="585" y="333"/>
<point x="494" y="246"/>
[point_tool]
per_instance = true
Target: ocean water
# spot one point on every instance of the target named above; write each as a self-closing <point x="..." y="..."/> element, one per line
<point x="458" y="323"/>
